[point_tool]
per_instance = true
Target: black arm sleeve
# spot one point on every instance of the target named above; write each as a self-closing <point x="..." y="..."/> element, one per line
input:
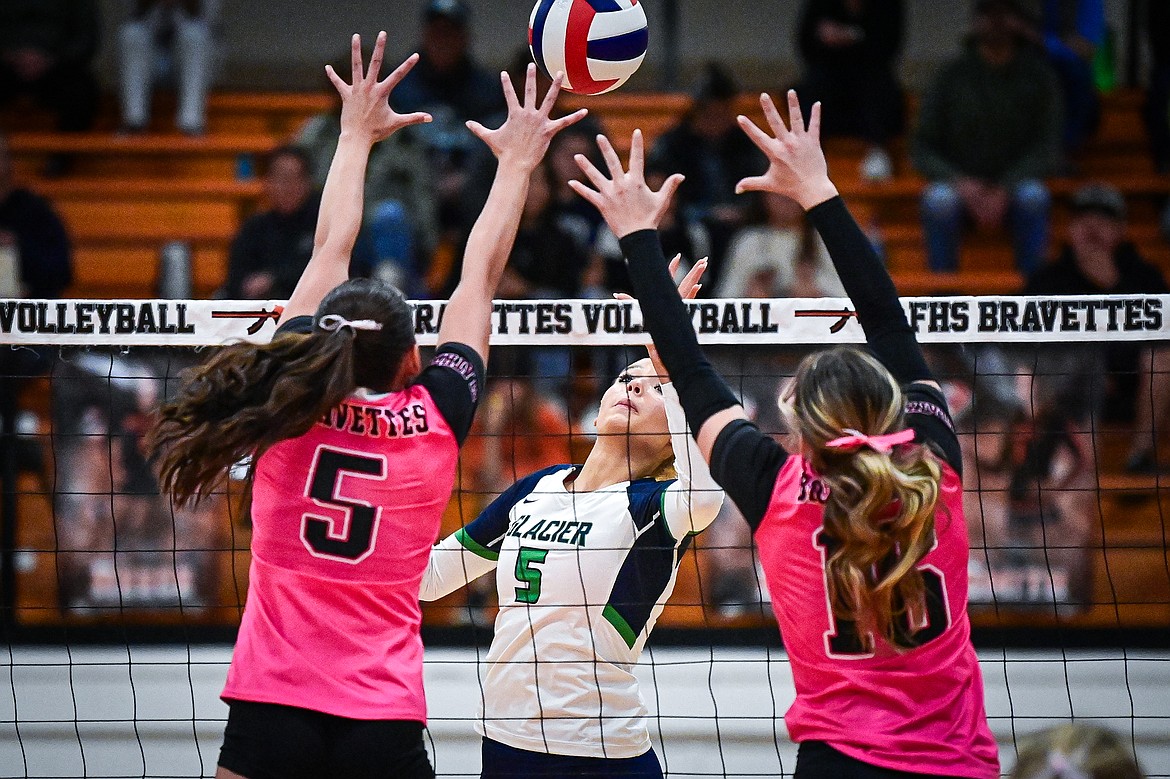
<point x="701" y="391"/>
<point x="869" y="286"/>
<point x="930" y="419"/>
<point x="745" y="463"/>
<point x="454" y="378"/>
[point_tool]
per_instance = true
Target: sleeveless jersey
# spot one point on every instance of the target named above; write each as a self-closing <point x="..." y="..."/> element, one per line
<point x="344" y="518"/>
<point x="919" y="710"/>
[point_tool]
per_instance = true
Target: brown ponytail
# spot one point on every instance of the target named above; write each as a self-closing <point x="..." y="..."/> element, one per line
<point x="879" y="515"/>
<point x="246" y="398"/>
<point x="243" y="400"/>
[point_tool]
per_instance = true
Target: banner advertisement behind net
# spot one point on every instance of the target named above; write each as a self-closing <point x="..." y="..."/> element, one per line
<point x="1057" y="402"/>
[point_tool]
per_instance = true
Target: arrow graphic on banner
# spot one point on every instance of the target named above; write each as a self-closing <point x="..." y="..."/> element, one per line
<point x="261" y="316"/>
<point x="842" y="316"/>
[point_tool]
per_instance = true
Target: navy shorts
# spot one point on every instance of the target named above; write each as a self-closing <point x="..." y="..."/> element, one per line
<point x="818" y="760"/>
<point x="270" y="741"/>
<point x="504" y="762"/>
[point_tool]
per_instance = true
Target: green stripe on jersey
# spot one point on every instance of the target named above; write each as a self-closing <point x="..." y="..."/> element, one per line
<point x="471" y="545"/>
<point x="620" y="625"/>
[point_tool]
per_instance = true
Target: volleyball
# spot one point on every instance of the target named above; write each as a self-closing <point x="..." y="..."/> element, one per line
<point x="597" y="44"/>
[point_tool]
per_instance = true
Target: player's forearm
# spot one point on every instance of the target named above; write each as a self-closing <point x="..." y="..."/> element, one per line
<point x="701" y="391"/>
<point x="872" y="291"/>
<point x="699" y="497"/>
<point x="494" y="232"/>
<point x="342" y="198"/>
<point x="450" y="567"/>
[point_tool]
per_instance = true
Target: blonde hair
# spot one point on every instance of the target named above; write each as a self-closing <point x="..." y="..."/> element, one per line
<point x="880" y="509"/>
<point x="1075" y="751"/>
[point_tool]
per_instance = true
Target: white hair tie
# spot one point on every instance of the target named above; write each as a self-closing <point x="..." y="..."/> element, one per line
<point x="334" y="322"/>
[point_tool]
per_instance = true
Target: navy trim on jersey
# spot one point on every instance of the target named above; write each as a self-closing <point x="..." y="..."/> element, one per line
<point x="649" y="563"/>
<point x="486" y="532"/>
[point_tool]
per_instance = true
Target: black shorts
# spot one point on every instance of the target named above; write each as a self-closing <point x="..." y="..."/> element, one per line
<point x="818" y="760"/>
<point x="270" y="741"/>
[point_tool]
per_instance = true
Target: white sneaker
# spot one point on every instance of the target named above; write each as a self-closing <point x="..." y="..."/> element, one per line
<point x="877" y="165"/>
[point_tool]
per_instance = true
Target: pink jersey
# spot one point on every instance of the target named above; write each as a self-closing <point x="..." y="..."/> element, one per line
<point x="919" y="710"/>
<point x="343" y="522"/>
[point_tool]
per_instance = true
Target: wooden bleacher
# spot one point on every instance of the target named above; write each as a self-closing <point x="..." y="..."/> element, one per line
<point x="129" y="195"/>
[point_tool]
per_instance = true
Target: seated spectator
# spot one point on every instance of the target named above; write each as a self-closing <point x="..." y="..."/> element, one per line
<point x="31" y="229"/>
<point x="850" y="48"/>
<point x="168" y="40"/>
<point x="1156" y="110"/>
<point x="778" y="255"/>
<point x="453" y="88"/>
<point x="401" y="214"/>
<point x="1071" y="32"/>
<point x="1075" y="751"/>
<point x="708" y="148"/>
<point x="46" y="51"/>
<point x="988" y="133"/>
<point x="1097" y="260"/>
<point x="273" y="247"/>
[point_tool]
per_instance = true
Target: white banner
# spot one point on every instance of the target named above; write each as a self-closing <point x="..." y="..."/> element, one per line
<point x="1008" y="319"/>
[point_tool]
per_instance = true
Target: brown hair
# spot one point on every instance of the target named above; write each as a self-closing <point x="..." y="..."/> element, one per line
<point x="879" y="513"/>
<point x="245" y="397"/>
<point x="1075" y="750"/>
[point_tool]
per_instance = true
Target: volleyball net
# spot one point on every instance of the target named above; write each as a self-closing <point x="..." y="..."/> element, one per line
<point x="110" y="595"/>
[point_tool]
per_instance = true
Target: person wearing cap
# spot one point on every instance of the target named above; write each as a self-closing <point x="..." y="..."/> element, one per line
<point x="988" y="133"/>
<point x="453" y="88"/>
<point x="708" y="148"/>
<point x="1132" y="380"/>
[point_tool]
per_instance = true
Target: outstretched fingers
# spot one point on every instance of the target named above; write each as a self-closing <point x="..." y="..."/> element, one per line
<point x="554" y="91"/>
<point x="814" y="122"/>
<point x="592" y="196"/>
<point x="399" y="72"/>
<point x="637" y="155"/>
<point x="665" y="195"/>
<point x="610" y="155"/>
<point x="338" y="82"/>
<point x="530" y="86"/>
<point x="757" y="136"/>
<point x="509" y="93"/>
<point x="795" y="115"/>
<point x="355" y="59"/>
<point x="772" y="115"/>
<point x="571" y="119"/>
<point x="595" y="176"/>
<point x="376" y="58"/>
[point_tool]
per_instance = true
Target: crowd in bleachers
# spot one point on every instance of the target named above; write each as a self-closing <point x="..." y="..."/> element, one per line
<point x="1011" y="110"/>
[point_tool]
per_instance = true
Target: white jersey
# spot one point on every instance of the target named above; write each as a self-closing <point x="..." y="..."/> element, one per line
<point x="582" y="578"/>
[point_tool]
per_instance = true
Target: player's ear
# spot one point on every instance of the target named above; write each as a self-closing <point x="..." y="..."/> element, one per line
<point x="410" y="367"/>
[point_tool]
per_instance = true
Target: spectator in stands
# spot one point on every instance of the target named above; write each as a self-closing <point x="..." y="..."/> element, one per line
<point x="708" y="148"/>
<point x="1157" y="107"/>
<point x="988" y="133"/>
<point x="1076" y="751"/>
<point x="453" y="88"/>
<point x="170" y="40"/>
<point x="1097" y="260"/>
<point x="778" y="255"/>
<point x="850" y="48"/>
<point x="1071" y="32"/>
<point x="273" y="247"/>
<point x="46" y="51"/>
<point x="401" y="216"/>
<point x="33" y="238"/>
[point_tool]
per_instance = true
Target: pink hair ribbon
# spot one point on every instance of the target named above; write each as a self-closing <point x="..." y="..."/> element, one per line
<point x="879" y="443"/>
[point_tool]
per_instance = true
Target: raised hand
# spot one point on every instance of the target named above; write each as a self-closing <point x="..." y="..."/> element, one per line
<point x="688" y="288"/>
<point x="624" y="199"/>
<point x="796" y="162"/>
<point x="525" y="135"/>
<point x="365" y="103"/>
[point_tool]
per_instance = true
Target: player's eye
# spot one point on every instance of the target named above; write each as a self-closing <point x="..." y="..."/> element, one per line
<point x="659" y="388"/>
<point x="625" y="378"/>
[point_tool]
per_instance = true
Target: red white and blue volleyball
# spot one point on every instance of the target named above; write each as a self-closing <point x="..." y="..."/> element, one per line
<point x="597" y="44"/>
